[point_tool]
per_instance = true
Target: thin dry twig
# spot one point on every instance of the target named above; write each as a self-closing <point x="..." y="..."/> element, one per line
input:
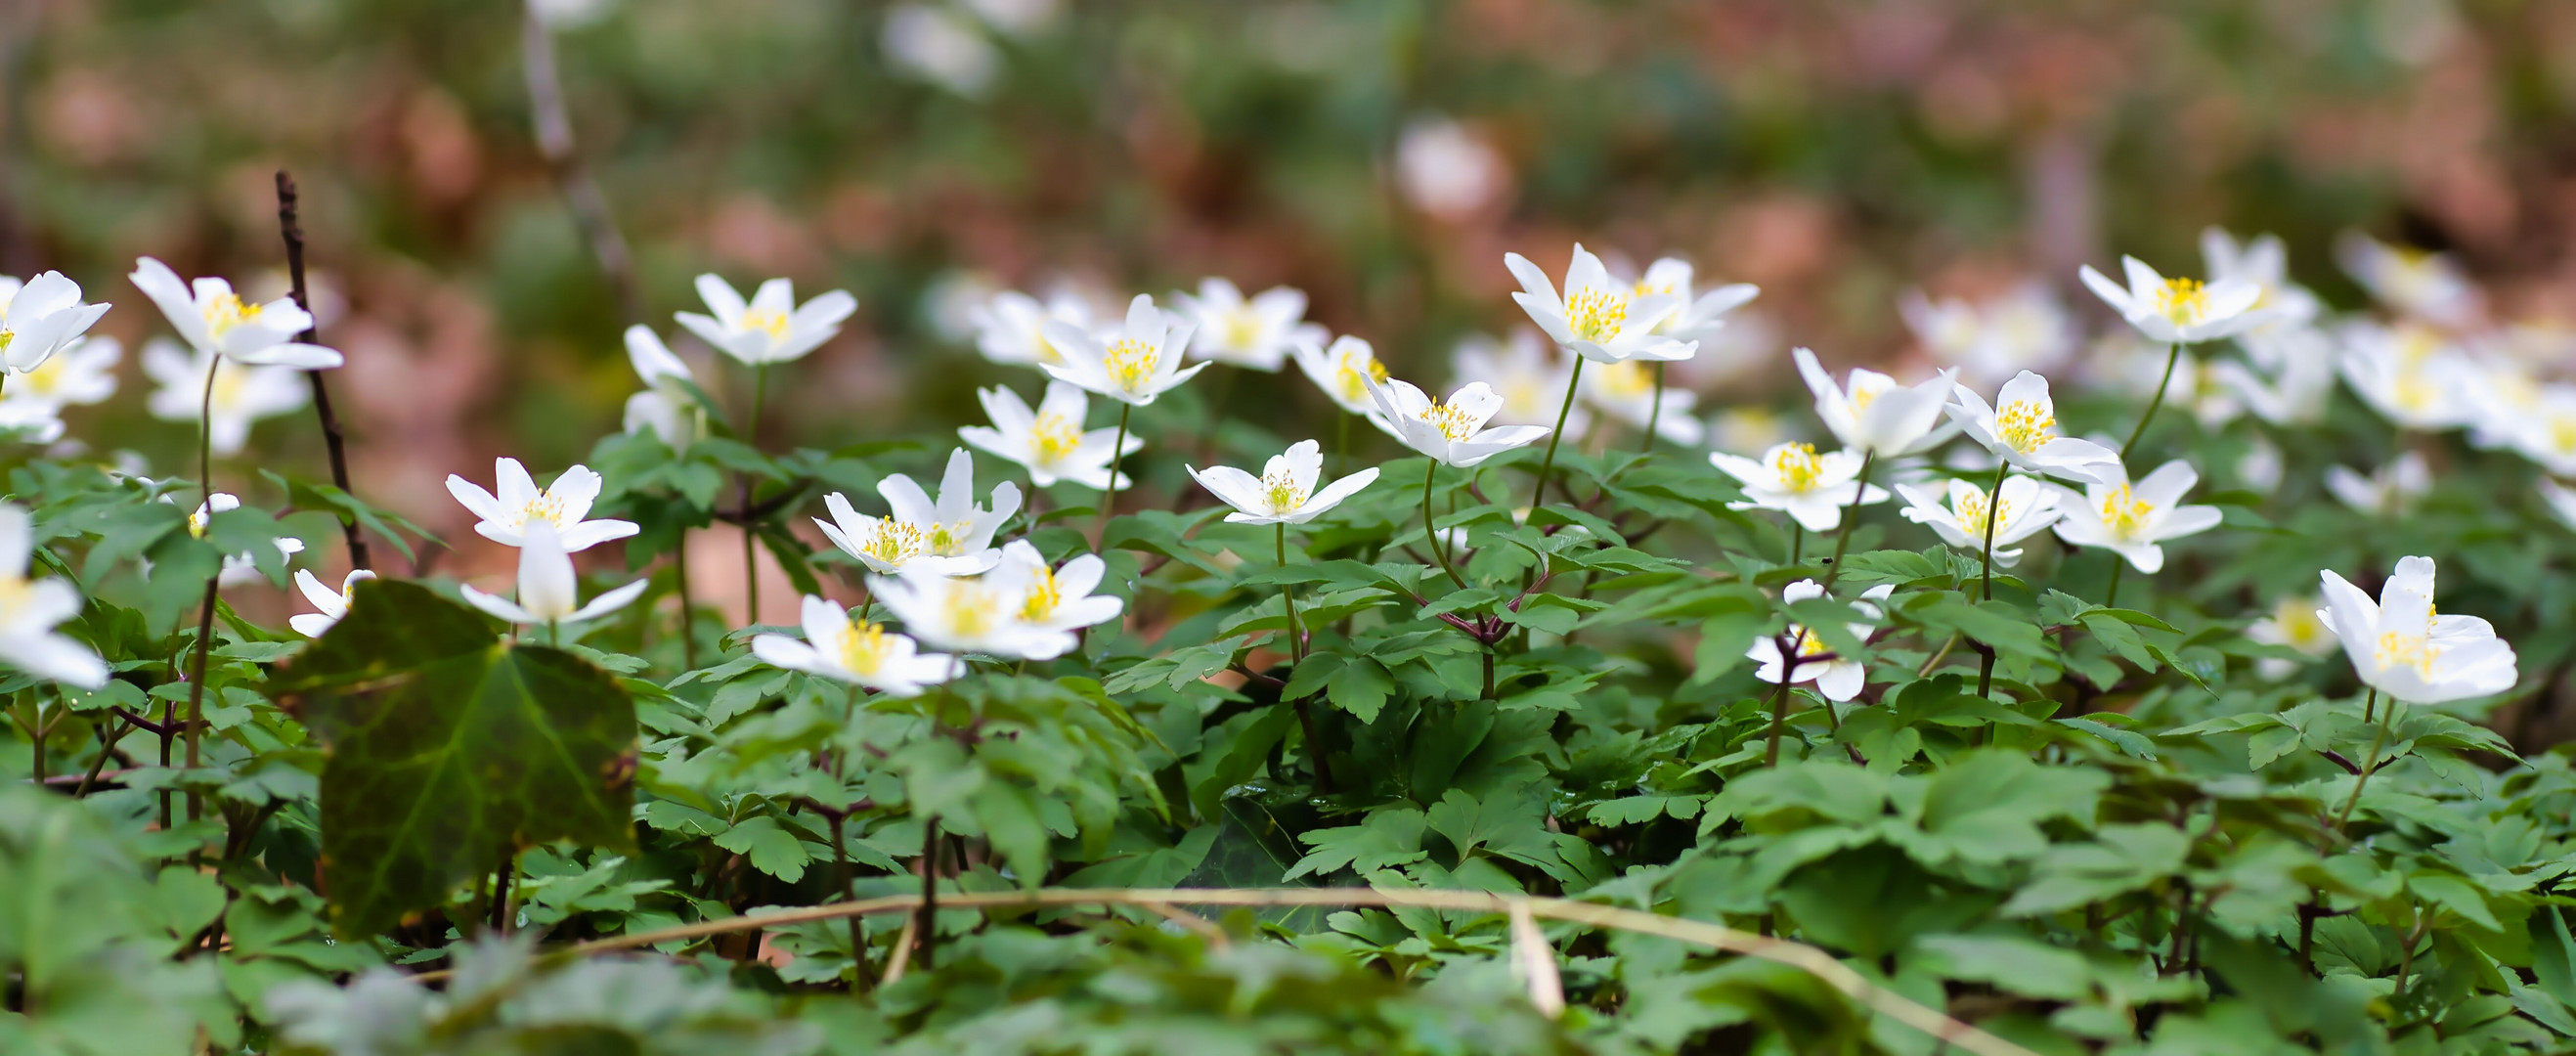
<point x="1805" y="958"/>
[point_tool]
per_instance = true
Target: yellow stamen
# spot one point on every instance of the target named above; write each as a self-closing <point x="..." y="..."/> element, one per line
<point x="948" y="539"/>
<point x="1972" y="513"/>
<point x="2183" y="300"/>
<point x="1596" y="315"/>
<point x="1280" y="490"/>
<point x="970" y="613"/>
<point x="863" y="648"/>
<point x="1355" y="371"/>
<point x="2025" y="426"/>
<point x="1451" y="421"/>
<point x="1626" y="380"/>
<point x="893" y="543"/>
<point x="2122" y="513"/>
<point x="1797" y="466"/>
<point x="1131" y="363"/>
<point x="769" y="322"/>
<point x="1040" y="603"/>
<point x="1054" y="436"/>
<point x="227" y="311"/>
<point x="545" y="508"/>
<point x="1242" y="329"/>
<point x="2408" y="650"/>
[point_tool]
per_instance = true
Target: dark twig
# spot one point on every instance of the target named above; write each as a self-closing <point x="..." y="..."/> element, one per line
<point x="554" y="140"/>
<point x="292" y="230"/>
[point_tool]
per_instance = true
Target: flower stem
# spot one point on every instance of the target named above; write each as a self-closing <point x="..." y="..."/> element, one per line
<point x="1547" y="466"/>
<point x="1986" y="574"/>
<point x="2112" y="593"/>
<point x="206" y="609"/>
<point x="1117" y="454"/>
<point x="1780" y="699"/>
<point x="2369" y="767"/>
<point x="750" y="534"/>
<point x="1851" y="514"/>
<point x="2173" y="355"/>
<point x="688" y="629"/>
<point x="1655" y="411"/>
<point x="1297" y="655"/>
<point x="1288" y="599"/>
<point x="1341" y="444"/>
<point x="1431" y="535"/>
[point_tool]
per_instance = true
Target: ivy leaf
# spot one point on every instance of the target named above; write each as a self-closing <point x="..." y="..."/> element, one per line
<point x="449" y="750"/>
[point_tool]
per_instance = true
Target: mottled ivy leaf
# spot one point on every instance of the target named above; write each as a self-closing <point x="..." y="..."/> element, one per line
<point x="449" y="749"/>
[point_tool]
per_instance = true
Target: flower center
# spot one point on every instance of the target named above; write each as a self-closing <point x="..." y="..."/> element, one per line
<point x="1130" y="362"/>
<point x="230" y="381"/>
<point x="1627" y="380"/>
<point x="2025" y="425"/>
<point x="1451" y="421"/>
<point x="2183" y="300"/>
<point x="1972" y="513"/>
<point x="773" y="323"/>
<point x="46" y="378"/>
<point x="948" y="539"/>
<point x="1040" y="603"/>
<point x="2408" y="650"/>
<point x="1242" y="330"/>
<point x="1283" y="494"/>
<point x="1596" y="315"/>
<point x="2122" y="513"/>
<point x="15" y="592"/>
<point x="1808" y="644"/>
<point x="545" y="508"/>
<point x="1037" y="341"/>
<point x="2414" y="391"/>
<point x="1053" y="437"/>
<point x="970" y="611"/>
<point x="2562" y="433"/>
<point x="226" y="311"/>
<point x="863" y="647"/>
<point x="894" y="542"/>
<point x="1354" y="373"/>
<point x="1797" y="466"/>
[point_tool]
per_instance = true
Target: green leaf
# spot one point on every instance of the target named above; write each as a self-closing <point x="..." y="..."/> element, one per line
<point x="1389" y="838"/>
<point x="449" y="750"/>
<point x="1986" y="806"/>
<point x="768" y="846"/>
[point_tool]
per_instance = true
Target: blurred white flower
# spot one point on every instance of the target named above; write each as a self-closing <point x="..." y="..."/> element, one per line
<point x="1747" y="428"/>
<point x="1454" y="433"/>
<point x="237" y="568"/>
<point x="1017" y="17"/>
<point x="331" y="606"/>
<point x="506" y="517"/>
<point x="2259" y="468"/>
<point x="2265" y="262"/>
<point x="772" y="327"/>
<point x="1049" y="442"/>
<point x="665" y="406"/>
<point x="1793" y="479"/>
<point x="29" y="610"/>
<point x="1011" y="327"/>
<point x="1702" y="313"/>
<point x="2027" y="510"/>
<point x="838" y="647"/>
<point x="1872" y="413"/>
<point x="1133" y="363"/>
<point x="2290" y="375"/>
<point x="1838" y="678"/>
<point x="2386" y="492"/>
<point x="1344" y="371"/>
<point x="2409" y="373"/>
<point x="1285" y="492"/>
<point x="548" y="590"/>
<point x="2132" y="521"/>
<point x="1255" y="333"/>
<point x="1598" y="318"/>
<point x="1448" y="171"/>
<point x="2021" y="428"/>
<point x="2293" y="623"/>
<point x="979" y="614"/>
<point x="2023" y="329"/>
<point x="941" y="46"/>
<point x="560" y="15"/>
<point x="1526" y="371"/>
<point x="212" y="319"/>
<point x="952" y="537"/>
<point x="2178" y="311"/>
<point x="1627" y="393"/>
<point x="1057" y="601"/>
<point x="2411" y="282"/>
<point x="2401" y="647"/>
<point x="40" y="317"/>
<point x="2562" y="501"/>
<point x="1749" y="342"/>
<point x="242" y="394"/>
<point x="83" y="372"/>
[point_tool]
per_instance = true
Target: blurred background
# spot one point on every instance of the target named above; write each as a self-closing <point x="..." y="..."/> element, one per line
<point x="1382" y="156"/>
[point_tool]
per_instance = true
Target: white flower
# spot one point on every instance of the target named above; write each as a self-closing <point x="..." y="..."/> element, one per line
<point x="333" y="604"/>
<point x="30" y="609"/>
<point x="1255" y="333"/>
<point x="2179" y="311"/>
<point x="952" y="537"/>
<point x="772" y="328"/>
<point x="665" y="406"/>
<point x="2385" y="493"/>
<point x="2027" y="510"/>
<point x="1872" y="413"/>
<point x="548" y="591"/>
<point x="212" y="319"/>
<point x="30" y="422"/>
<point x="1344" y="371"/>
<point x="2561" y="501"/>
<point x="2265" y="262"/>
<point x="1839" y="679"/>
<point x="1701" y="314"/>
<point x="1526" y="371"/>
<point x="1011" y="327"/>
<point x="1285" y="492"/>
<point x="559" y="15"/>
<point x="1449" y="171"/>
<point x="84" y="372"/>
<point x="2293" y="623"/>
<point x="1056" y="601"/>
<point x="505" y="518"/>
<point x="2259" y="467"/>
<point x="1049" y="442"/>
<point x="242" y="395"/>
<point x="2021" y="428"/>
<point x="1627" y="392"/>
<point x="979" y="614"/>
<point x="1746" y="428"/>
<point x="2025" y="329"/>
<point x="2401" y="647"/>
<point x="40" y="317"/>
<point x="2291" y="376"/>
<point x="2428" y="286"/>
<point x="1452" y="433"/>
<point x="2133" y="520"/>
<point x="1132" y="364"/>
<point x="1793" y="479"/>
<point x="942" y="47"/>
<point x="241" y="567"/>
<point x="1598" y="318"/>
<point x="842" y="648"/>
<point x="2410" y="374"/>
